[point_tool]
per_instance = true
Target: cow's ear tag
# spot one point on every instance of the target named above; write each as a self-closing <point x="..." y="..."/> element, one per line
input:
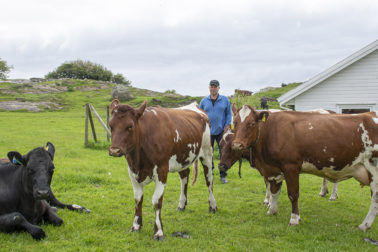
<point x="46" y="148"/>
<point x="264" y="118"/>
<point x="17" y="162"/>
<point x="232" y="127"/>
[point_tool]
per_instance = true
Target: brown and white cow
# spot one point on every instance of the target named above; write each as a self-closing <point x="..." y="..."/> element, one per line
<point x="156" y="141"/>
<point x="336" y="147"/>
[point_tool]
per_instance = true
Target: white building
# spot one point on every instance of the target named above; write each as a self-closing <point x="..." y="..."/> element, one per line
<point x="350" y="86"/>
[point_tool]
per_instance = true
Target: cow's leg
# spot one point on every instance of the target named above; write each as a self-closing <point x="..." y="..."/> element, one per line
<point x="16" y="221"/>
<point x="157" y="202"/>
<point x="138" y="198"/>
<point x="292" y="183"/>
<point x="206" y="163"/>
<point x="373" y="211"/>
<point x="184" y="176"/>
<point x="50" y="215"/>
<point x="267" y="194"/>
<point x="334" y="192"/>
<point x="56" y="203"/>
<point x="275" y="190"/>
<point x="324" y="188"/>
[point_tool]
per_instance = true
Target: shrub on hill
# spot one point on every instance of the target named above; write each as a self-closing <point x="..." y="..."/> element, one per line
<point x="80" y="69"/>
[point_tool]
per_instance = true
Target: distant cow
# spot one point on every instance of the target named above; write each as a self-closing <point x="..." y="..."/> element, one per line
<point x="264" y="103"/>
<point x="24" y="188"/>
<point x="156" y="141"/>
<point x="285" y="144"/>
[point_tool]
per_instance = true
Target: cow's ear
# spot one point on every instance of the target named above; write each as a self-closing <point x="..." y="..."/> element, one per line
<point x="263" y="116"/>
<point x="16" y="158"/>
<point x="140" y="110"/>
<point x="50" y="149"/>
<point x="114" y="104"/>
<point x="234" y="108"/>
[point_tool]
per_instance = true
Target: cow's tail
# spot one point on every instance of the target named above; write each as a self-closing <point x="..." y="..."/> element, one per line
<point x="195" y="171"/>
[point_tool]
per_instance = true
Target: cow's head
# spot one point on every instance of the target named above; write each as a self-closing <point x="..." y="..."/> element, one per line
<point x="229" y="156"/>
<point x="38" y="170"/>
<point x="247" y="128"/>
<point x="124" y="128"/>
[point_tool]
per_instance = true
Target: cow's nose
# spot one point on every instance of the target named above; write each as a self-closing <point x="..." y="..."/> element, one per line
<point x="237" y="146"/>
<point x="115" y="152"/>
<point x="42" y="194"/>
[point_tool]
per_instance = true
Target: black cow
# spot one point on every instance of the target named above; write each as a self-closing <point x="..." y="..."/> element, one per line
<point x="25" y="192"/>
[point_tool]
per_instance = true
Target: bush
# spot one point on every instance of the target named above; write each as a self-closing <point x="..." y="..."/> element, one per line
<point x="80" y="69"/>
<point x="120" y="79"/>
<point x="4" y="69"/>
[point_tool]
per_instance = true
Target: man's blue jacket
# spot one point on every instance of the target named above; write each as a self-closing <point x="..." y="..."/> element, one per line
<point x="219" y="114"/>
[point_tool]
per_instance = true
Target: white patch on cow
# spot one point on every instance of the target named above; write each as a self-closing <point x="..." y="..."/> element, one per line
<point x="76" y="206"/>
<point x="174" y="165"/>
<point x="244" y="112"/>
<point x="320" y="111"/>
<point x="159" y="232"/>
<point x="136" y="226"/>
<point x="267" y="194"/>
<point x="375" y="119"/>
<point x="324" y="188"/>
<point x="279" y="178"/>
<point x="310" y="126"/>
<point x="332" y="160"/>
<point x="365" y="137"/>
<point x="154" y="111"/>
<point x="193" y="107"/>
<point x="334" y="192"/>
<point x="159" y="188"/>
<point x="273" y="202"/>
<point x="182" y="200"/>
<point x="294" y="220"/>
<point x="138" y="187"/>
<point x="177" y="138"/>
<point x="228" y="132"/>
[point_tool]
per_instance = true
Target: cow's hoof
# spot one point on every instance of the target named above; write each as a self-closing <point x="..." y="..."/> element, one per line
<point x="58" y="222"/>
<point x="212" y="210"/>
<point x="158" y="237"/>
<point x="38" y="233"/>
<point x="363" y="227"/>
<point x="181" y="209"/>
<point x="271" y="212"/>
<point x="134" y="229"/>
<point x="332" y="198"/>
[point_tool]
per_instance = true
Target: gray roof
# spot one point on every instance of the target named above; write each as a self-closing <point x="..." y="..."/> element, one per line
<point x="287" y="97"/>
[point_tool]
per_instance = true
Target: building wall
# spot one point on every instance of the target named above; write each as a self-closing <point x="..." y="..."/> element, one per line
<point x="355" y="86"/>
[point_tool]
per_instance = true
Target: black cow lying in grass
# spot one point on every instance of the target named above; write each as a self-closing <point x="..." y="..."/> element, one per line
<point x="25" y="192"/>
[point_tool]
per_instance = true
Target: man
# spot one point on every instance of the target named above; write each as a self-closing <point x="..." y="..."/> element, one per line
<point x="218" y="109"/>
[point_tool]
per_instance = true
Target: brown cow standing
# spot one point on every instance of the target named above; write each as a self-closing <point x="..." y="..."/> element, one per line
<point x="156" y="141"/>
<point x="336" y="147"/>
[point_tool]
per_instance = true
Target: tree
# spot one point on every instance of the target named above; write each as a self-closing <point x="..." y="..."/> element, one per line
<point x="4" y="69"/>
<point x="120" y="79"/>
<point x="80" y="69"/>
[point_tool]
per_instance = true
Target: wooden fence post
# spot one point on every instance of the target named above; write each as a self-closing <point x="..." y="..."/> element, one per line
<point x="86" y="125"/>
<point x="92" y="125"/>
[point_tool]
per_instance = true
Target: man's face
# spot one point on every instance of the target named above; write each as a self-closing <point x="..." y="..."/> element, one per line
<point x="213" y="90"/>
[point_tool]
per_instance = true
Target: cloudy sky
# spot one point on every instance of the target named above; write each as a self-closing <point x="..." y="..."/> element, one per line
<point x="172" y="44"/>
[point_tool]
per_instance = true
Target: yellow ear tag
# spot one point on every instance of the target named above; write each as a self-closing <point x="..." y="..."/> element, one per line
<point x="232" y="127"/>
<point x="264" y="118"/>
<point x="46" y="148"/>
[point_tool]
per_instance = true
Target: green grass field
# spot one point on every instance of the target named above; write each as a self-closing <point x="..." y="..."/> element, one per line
<point x="91" y="178"/>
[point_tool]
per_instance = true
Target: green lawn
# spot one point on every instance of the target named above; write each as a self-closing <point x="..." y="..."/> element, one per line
<point x="89" y="177"/>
